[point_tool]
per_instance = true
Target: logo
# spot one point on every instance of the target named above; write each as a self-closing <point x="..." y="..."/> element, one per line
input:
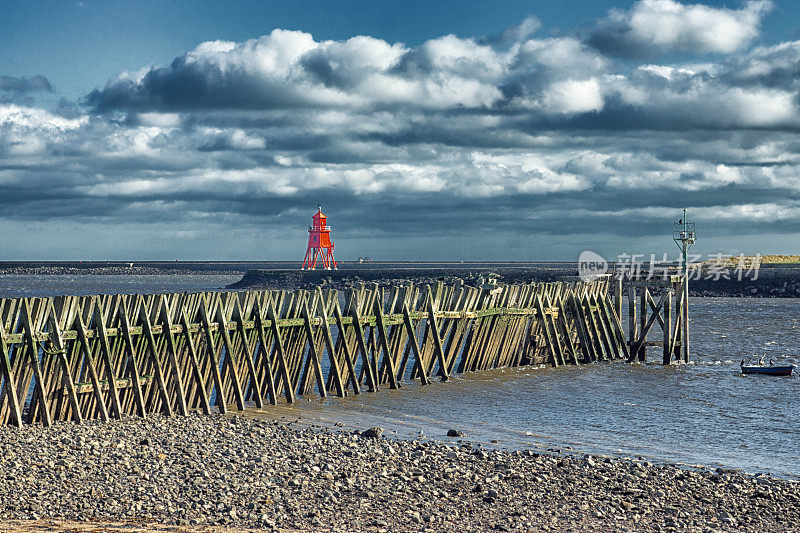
<point x="591" y="266"/>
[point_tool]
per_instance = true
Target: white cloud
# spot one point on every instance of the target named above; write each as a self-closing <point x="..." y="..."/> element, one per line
<point x="573" y="96"/>
<point x="662" y="26"/>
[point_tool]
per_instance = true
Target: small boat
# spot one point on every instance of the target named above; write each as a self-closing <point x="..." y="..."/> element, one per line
<point x="767" y="370"/>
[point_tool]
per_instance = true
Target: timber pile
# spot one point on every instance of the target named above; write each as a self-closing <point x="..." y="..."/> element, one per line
<point x="100" y="357"/>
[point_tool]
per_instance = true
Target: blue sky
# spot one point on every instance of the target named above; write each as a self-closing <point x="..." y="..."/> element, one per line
<point x="447" y="130"/>
<point x="79" y="45"/>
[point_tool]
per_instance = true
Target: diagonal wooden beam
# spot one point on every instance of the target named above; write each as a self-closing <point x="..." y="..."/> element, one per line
<point x="412" y="339"/>
<point x="437" y="340"/>
<point x="40" y="394"/>
<point x="647" y="327"/>
<point x="230" y="361"/>
<point x="384" y="345"/>
<point x="238" y="316"/>
<point x="172" y="354"/>
<point x="89" y="363"/>
<point x="105" y="355"/>
<point x="548" y="339"/>
<point x="366" y="365"/>
<point x="124" y="324"/>
<point x="265" y="354"/>
<point x="211" y="354"/>
<point x="348" y="356"/>
<point x="10" y="389"/>
<point x="152" y="349"/>
<point x="326" y="332"/>
<point x="312" y="351"/>
<point x="288" y="387"/>
<point x="66" y="376"/>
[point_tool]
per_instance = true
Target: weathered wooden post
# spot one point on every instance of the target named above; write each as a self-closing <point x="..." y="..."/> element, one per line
<point x="668" y="328"/>
<point x="642" y="355"/>
<point x="632" y="329"/>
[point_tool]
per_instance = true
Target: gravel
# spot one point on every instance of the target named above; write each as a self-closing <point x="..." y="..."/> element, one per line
<point x="218" y="470"/>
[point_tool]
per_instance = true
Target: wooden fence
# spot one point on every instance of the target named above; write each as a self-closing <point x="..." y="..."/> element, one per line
<point x="90" y="357"/>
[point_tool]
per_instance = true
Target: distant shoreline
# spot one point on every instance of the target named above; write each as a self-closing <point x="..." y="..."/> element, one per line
<point x="773" y="281"/>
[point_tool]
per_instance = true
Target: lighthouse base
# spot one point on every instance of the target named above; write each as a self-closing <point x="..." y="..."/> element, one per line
<point x="322" y="256"/>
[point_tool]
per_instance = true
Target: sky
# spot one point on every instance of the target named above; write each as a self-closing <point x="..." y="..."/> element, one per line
<point x="428" y="130"/>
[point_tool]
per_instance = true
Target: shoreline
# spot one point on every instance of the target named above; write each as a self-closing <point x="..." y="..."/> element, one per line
<point x="772" y="281"/>
<point x="240" y="472"/>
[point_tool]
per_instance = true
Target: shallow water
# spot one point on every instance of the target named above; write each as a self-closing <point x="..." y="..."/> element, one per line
<point x="703" y="413"/>
<point x="23" y="286"/>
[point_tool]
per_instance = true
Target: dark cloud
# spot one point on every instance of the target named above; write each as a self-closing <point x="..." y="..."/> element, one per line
<point x="24" y="85"/>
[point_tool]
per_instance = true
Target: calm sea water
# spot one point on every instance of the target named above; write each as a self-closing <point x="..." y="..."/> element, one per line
<point x="703" y="413"/>
<point x="18" y="286"/>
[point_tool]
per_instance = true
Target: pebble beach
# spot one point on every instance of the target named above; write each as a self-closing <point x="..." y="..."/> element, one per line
<point x="224" y="473"/>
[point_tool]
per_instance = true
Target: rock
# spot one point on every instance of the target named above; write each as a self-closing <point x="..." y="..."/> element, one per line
<point x="454" y="433"/>
<point x="372" y="433"/>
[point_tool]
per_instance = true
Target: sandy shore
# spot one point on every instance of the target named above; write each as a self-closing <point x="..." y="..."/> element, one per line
<point x="199" y="472"/>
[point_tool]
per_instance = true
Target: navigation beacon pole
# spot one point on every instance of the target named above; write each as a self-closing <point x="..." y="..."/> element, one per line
<point x="683" y="235"/>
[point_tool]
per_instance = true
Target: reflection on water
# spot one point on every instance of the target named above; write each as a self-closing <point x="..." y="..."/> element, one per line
<point x="701" y="413"/>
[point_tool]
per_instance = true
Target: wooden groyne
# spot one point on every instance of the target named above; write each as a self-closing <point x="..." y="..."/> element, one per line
<point x="100" y="357"/>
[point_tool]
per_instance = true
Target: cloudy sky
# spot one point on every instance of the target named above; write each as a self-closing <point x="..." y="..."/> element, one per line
<point x="428" y="130"/>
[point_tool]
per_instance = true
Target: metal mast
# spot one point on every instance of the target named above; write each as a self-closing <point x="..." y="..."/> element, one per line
<point x="683" y="235"/>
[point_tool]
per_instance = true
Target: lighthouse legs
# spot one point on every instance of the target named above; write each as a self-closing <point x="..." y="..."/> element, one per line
<point x="323" y="255"/>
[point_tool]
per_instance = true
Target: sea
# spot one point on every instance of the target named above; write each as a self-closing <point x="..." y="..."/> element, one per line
<point x="705" y="413"/>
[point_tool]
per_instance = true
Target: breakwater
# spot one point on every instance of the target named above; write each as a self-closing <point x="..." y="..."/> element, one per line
<point x="101" y="357"/>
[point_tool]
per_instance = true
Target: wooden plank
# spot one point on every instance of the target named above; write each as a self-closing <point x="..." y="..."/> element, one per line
<point x="384" y="345"/>
<point x="437" y="340"/>
<point x="604" y="326"/>
<point x="195" y="363"/>
<point x="667" y="326"/>
<point x="8" y="380"/>
<point x="647" y="326"/>
<point x="265" y="355"/>
<point x="348" y="357"/>
<point x="122" y="319"/>
<point x="155" y="361"/>
<point x="362" y="347"/>
<point x="550" y="324"/>
<point x="288" y="387"/>
<point x="633" y="331"/>
<point x="618" y="296"/>
<point x="326" y="332"/>
<point x="255" y="386"/>
<point x="312" y="352"/>
<point x="616" y="326"/>
<point x="581" y="326"/>
<point x="642" y="352"/>
<point x="106" y="356"/>
<point x="66" y="377"/>
<point x="412" y="339"/>
<point x="554" y="360"/>
<point x="211" y="356"/>
<point x="89" y="364"/>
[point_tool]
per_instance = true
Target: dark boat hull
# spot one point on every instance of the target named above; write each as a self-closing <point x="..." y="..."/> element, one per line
<point x="768" y="370"/>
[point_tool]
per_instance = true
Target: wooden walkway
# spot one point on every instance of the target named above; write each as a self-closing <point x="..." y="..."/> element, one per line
<point x="100" y="357"/>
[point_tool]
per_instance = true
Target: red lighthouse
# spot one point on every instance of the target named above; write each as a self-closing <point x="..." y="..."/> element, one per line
<point x="320" y="245"/>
